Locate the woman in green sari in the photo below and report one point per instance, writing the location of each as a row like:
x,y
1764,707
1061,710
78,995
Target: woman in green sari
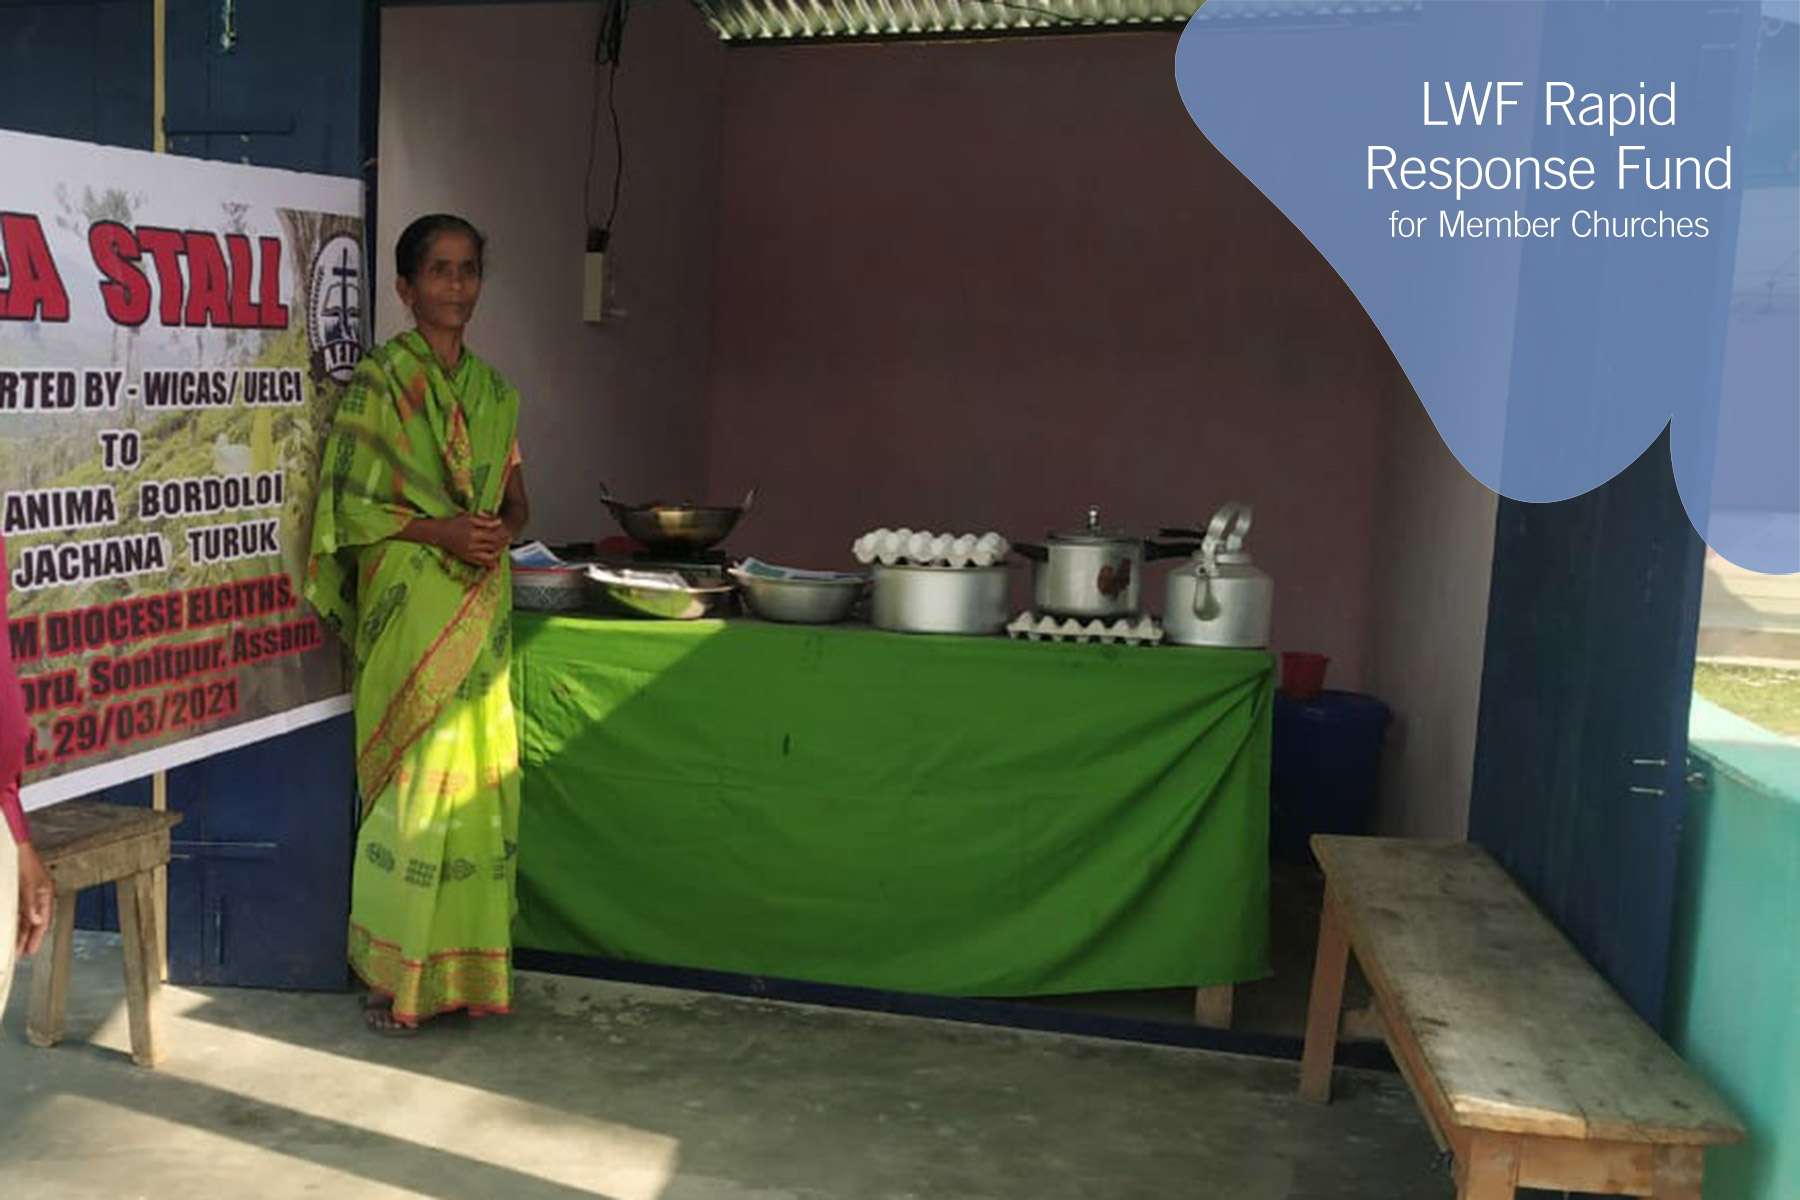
x,y
420,492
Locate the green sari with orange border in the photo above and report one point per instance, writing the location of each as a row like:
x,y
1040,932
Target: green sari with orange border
x,y
432,893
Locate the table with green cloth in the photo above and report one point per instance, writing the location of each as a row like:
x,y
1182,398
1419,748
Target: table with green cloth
x,y
959,816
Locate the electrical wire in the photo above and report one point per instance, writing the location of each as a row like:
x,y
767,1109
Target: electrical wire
x,y
608,44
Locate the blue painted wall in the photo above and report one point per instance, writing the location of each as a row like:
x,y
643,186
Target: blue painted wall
x,y
77,70
259,889
1734,986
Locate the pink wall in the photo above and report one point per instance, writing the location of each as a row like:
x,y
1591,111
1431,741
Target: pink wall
x,y
985,285
1434,557
624,401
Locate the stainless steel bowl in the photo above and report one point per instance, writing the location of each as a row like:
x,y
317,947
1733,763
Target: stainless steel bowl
x,y
688,603
800,601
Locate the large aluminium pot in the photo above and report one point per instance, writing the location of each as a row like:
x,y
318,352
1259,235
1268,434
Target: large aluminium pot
x,y
927,599
1091,572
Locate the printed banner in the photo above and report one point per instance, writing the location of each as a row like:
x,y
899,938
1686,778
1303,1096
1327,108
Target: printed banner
x,y
174,335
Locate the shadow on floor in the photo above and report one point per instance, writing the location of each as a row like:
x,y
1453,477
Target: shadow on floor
x,y
616,1092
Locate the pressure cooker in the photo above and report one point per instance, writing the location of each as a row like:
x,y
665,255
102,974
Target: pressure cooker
x,y
1092,571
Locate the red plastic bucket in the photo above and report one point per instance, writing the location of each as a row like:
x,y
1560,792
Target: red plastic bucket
x,y
1302,674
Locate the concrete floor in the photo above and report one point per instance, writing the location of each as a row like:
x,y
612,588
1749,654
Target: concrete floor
x,y
599,1091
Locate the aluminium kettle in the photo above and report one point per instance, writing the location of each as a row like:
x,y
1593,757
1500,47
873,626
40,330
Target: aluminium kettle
x,y
1219,597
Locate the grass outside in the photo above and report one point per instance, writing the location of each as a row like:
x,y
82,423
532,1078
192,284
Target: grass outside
x,y
1767,696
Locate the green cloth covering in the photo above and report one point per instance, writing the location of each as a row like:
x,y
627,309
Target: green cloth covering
x,y
949,815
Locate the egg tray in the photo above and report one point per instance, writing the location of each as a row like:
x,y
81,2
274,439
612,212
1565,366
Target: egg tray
x,y
1036,627
892,547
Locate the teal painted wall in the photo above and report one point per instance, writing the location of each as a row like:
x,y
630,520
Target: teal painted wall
x,y
1734,989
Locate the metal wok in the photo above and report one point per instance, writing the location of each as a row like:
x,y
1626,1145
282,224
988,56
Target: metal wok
x,y
675,528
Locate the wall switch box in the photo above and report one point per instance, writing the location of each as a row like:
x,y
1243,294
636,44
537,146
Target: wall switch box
x,y
593,287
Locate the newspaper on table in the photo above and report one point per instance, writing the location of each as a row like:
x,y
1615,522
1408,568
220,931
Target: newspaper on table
x,y
755,568
535,555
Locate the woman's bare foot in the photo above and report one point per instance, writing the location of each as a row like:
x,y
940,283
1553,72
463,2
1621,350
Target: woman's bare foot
x,y
378,1014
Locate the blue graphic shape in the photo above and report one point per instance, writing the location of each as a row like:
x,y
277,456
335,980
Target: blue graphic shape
x,y
1553,353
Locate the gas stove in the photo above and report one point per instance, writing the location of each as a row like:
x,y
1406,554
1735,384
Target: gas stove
x,y
661,560
701,568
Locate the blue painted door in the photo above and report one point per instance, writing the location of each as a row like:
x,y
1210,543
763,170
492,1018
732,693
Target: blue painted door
x,y
1594,604
260,884
259,887
81,71
1579,761
78,70
264,870
276,85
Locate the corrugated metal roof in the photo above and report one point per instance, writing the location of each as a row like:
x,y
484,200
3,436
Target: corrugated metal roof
x,y
802,20
750,20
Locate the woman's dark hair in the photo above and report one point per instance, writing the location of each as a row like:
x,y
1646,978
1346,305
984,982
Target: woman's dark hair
x,y
415,243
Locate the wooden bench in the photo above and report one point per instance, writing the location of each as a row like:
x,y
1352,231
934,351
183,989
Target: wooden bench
x,y
1530,1069
84,843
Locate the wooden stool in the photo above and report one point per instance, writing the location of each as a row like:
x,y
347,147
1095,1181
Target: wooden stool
x,y
84,843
